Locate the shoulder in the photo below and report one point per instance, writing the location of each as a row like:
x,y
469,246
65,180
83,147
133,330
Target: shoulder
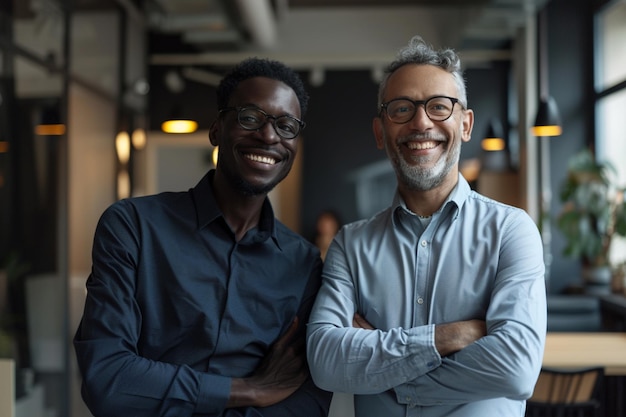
x,y
292,241
366,230
485,205
147,206
487,212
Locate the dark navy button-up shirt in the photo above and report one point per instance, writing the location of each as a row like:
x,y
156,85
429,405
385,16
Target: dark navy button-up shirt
x,y
176,307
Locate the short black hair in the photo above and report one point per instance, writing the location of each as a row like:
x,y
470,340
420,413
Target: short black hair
x,y
260,67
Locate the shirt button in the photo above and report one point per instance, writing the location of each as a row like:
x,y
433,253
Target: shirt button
x,y
424,243
420,300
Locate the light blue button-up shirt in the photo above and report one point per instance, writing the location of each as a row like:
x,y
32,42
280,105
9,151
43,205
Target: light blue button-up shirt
x,y
475,259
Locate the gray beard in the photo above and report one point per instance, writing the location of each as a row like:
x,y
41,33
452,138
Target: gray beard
x,y
422,179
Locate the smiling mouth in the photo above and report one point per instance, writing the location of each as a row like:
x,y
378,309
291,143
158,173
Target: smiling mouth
x,y
422,145
260,158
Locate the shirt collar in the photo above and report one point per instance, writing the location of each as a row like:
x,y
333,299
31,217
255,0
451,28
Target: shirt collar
x,y
208,211
457,197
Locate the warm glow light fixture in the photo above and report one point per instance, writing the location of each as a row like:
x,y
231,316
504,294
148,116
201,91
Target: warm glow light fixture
x,y
122,147
214,155
179,126
548,121
123,184
55,129
138,138
50,123
492,144
494,140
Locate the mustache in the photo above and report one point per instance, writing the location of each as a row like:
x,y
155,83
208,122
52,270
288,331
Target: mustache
x,y
422,137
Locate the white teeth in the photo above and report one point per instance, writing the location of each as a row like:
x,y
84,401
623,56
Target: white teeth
x,y
259,158
421,145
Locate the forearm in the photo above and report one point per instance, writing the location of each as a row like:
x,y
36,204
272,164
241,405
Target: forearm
x,y
499,365
362,361
184,392
505,363
117,383
452,337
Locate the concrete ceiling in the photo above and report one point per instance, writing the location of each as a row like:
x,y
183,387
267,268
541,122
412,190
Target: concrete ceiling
x,y
203,37
328,34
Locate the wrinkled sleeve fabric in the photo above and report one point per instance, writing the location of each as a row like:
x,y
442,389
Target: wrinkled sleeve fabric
x,y
479,260
505,363
118,379
359,361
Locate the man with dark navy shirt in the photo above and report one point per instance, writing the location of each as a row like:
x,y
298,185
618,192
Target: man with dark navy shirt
x,y
197,301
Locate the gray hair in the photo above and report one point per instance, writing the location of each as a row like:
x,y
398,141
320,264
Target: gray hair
x,y
419,52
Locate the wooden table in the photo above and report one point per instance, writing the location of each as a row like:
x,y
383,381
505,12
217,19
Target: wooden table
x,y
579,350
576,350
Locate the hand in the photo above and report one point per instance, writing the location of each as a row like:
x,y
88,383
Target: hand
x,y
280,374
452,337
360,323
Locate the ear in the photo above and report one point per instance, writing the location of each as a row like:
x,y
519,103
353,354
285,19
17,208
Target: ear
x,y
214,132
377,127
467,125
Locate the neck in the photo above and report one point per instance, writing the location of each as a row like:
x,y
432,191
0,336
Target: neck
x,y
241,212
425,203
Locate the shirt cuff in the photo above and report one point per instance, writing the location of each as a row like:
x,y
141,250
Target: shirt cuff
x,y
423,338
213,395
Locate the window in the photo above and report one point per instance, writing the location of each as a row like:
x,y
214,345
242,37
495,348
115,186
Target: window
x,y
610,61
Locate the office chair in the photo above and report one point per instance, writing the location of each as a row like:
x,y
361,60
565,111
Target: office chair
x,y
567,393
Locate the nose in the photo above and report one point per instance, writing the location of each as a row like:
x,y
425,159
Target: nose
x,y
420,120
268,131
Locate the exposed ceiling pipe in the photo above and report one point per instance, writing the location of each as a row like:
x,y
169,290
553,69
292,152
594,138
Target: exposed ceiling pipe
x,y
258,18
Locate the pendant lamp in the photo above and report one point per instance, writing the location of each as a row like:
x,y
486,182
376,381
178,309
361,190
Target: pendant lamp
x,y
548,121
179,121
494,140
50,122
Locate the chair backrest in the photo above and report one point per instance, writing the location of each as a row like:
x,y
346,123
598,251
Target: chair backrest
x,y
567,391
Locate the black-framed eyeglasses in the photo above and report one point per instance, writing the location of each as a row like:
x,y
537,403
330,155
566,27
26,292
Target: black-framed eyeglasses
x,y
402,110
252,118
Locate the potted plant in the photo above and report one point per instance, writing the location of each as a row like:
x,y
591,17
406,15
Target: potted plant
x,y
594,212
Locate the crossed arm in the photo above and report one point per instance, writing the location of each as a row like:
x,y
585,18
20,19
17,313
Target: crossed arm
x,y
280,374
443,362
132,364
449,337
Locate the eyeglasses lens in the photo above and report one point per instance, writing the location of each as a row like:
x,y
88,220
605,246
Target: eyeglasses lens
x,y
402,110
252,119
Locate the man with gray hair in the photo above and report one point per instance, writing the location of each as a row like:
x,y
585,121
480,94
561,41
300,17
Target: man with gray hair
x,y
436,305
